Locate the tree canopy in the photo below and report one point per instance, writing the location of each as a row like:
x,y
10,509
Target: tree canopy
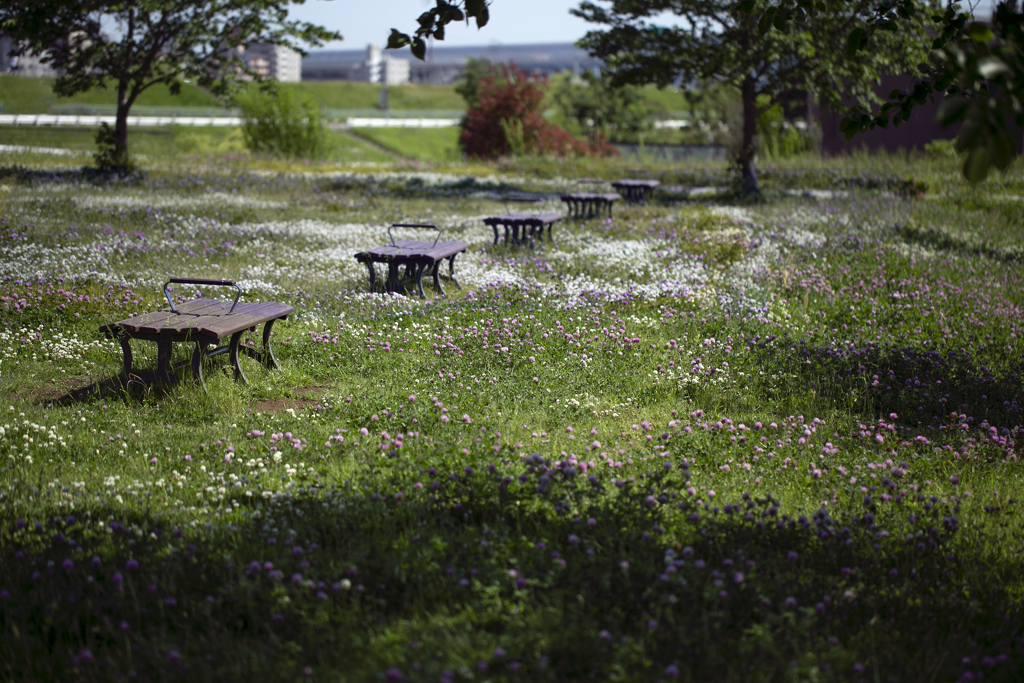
x,y
133,45
600,109
980,69
723,41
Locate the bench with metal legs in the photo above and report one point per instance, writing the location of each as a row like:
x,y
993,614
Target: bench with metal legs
x,y
203,323
409,260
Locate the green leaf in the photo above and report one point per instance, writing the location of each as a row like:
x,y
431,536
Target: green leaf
x,y
990,67
781,21
746,6
426,21
483,17
977,164
980,33
398,39
1002,151
419,48
858,37
953,110
968,137
764,24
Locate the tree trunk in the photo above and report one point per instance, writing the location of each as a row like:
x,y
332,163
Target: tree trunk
x,y
747,157
124,106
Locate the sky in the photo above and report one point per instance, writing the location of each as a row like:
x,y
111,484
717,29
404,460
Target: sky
x,y
512,21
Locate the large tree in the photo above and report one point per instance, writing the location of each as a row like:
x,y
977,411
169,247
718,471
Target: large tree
x,y
979,66
132,45
723,41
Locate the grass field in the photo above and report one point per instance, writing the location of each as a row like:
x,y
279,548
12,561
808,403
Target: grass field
x,y
182,142
21,95
437,145
702,440
352,95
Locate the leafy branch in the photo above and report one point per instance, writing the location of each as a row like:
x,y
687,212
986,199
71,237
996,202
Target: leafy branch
x,y
432,24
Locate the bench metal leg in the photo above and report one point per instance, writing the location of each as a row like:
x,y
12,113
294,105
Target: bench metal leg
x,y
495,229
392,285
126,349
373,274
198,353
163,362
419,268
437,279
267,355
451,270
233,355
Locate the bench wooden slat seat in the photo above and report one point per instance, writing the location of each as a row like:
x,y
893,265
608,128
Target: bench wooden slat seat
x,y
417,258
636,191
589,204
523,226
204,323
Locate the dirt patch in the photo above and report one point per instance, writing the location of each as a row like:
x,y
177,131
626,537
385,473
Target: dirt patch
x,y
305,396
62,391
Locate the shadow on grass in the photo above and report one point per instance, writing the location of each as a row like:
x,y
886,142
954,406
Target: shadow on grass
x,y
540,576
112,388
944,241
917,384
418,187
85,174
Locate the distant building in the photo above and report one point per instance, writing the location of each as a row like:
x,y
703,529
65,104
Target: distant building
x,y
278,62
444,64
383,68
22,65
6,61
372,65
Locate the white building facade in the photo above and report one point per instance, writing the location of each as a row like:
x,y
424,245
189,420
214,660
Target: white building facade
x,y
278,62
23,65
372,66
442,64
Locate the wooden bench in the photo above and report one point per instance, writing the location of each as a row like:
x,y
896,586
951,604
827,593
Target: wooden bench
x,y
204,322
636,191
589,204
416,257
522,227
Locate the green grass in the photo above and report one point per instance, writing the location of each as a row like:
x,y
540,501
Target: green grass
x,y
353,95
699,441
21,95
170,142
35,96
437,145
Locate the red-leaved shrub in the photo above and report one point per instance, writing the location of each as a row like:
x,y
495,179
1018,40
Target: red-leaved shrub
x,y
512,100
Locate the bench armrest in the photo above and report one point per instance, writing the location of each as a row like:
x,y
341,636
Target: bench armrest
x,y
201,281
421,226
